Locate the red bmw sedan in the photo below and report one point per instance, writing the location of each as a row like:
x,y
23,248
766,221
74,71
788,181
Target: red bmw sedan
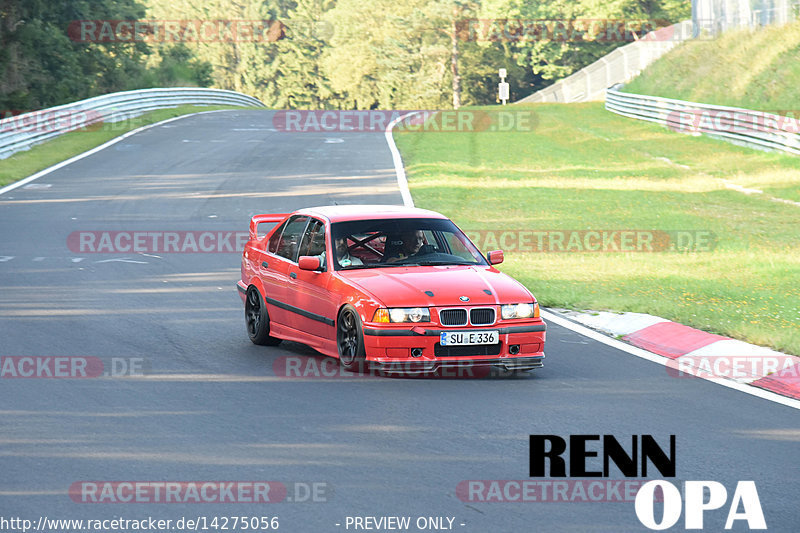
x,y
397,289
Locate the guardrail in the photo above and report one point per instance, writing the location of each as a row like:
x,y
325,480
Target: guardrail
x,y
620,65
756,129
717,16
20,132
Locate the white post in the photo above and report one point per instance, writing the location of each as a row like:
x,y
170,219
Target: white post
x,y
502,89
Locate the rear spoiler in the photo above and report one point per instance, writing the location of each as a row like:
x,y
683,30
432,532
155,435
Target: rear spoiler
x,y
260,219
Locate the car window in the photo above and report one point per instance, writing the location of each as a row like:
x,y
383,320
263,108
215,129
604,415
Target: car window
x,y
397,242
290,237
361,248
276,237
458,246
313,242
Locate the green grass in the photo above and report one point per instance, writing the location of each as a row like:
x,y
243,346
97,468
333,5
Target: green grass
x,y
23,164
584,168
754,70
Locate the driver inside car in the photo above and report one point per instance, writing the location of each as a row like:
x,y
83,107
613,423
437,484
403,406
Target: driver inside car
x,y
343,254
411,243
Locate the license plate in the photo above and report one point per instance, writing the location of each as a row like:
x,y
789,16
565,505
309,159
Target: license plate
x,y
467,338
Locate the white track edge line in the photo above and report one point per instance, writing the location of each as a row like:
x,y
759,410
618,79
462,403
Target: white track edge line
x,y
96,149
402,181
644,354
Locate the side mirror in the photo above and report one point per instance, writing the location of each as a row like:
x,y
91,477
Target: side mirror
x,y
309,262
495,257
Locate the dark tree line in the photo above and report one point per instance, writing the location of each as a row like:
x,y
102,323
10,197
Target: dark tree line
x,y
42,66
320,53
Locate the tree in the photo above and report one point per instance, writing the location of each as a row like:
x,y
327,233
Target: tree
x,y
241,60
300,80
42,66
45,62
551,56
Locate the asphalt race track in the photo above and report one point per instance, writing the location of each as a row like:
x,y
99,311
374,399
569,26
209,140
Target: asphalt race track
x,y
212,406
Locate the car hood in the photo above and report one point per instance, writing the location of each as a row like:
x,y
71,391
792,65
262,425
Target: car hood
x,y
407,286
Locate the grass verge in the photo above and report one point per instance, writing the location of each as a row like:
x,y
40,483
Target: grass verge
x,y
47,154
750,69
583,168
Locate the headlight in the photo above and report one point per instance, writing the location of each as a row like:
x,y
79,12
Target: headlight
x,y
402,314
519,311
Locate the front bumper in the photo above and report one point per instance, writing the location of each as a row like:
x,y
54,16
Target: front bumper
x,y
461,367
416,350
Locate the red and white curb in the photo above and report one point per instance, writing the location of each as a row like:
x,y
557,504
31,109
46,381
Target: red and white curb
x,y
673,345
690,352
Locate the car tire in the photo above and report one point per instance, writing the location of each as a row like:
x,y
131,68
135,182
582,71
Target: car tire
x,y
256,319
350,340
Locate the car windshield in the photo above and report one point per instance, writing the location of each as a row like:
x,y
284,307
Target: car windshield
x,y
388,243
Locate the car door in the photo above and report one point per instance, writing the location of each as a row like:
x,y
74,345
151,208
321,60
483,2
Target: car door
x,y
316,307
281,256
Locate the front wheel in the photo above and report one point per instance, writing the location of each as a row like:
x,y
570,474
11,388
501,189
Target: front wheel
x,y
257,319
350,339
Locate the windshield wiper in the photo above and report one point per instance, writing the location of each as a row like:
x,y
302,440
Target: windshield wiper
x,y
435,263
399,264
374,265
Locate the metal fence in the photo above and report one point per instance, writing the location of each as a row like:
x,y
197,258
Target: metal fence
x,y
756,129
716,16
709,19
619,66
20,132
